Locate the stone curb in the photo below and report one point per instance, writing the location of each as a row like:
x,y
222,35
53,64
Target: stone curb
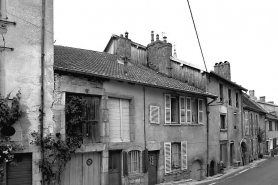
x,y
231,174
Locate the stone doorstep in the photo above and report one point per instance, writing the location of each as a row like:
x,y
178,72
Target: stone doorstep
x,y
176,182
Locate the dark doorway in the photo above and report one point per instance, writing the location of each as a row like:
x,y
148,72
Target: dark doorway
x,y
244,153
114,167
153,160
232,154
211,168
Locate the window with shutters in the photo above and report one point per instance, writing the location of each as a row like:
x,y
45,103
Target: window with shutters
x,y
276,126
133,162
91,112
154,114
175,155
181,110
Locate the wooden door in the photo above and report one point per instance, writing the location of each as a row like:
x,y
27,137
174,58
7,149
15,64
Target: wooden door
x,y
196,171
153,160
82,169
114,167
20,173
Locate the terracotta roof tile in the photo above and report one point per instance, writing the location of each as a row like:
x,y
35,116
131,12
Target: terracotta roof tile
x,y
106,65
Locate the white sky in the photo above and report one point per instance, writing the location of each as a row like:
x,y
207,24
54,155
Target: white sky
x,y
243,32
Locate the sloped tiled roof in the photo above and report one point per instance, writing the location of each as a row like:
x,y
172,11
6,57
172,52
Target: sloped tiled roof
x,y
106,65
227,80
251,104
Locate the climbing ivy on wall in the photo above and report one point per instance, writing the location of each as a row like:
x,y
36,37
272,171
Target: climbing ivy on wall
x,y
57,151
9,114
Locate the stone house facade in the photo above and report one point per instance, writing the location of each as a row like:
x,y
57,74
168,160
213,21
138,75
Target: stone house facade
x,y
152,128
271,121
26,66
253,125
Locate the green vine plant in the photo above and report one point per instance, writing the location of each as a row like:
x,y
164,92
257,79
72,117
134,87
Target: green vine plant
x,y
57,151
9,114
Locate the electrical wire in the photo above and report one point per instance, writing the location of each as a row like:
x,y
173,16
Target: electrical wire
x,y
26,21
197,35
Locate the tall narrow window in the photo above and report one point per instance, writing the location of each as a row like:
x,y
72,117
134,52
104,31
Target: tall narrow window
x,y
230,96
188,110
134,161
237,104
200,111
270,126
222,121
251,125
176,155
174,110
221,92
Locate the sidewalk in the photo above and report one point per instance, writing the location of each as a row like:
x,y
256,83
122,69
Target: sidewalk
x,y
228,173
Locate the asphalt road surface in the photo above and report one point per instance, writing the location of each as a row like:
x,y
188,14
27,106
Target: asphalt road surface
x,y
264,174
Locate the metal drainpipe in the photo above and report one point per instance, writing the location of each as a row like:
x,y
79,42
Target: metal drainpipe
x,y
207,108
145,139
42,80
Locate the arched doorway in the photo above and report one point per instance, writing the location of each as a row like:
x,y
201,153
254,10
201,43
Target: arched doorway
x,y
211,168
196,170
244,152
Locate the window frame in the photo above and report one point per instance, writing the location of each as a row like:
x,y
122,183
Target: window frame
x,y
237,103
168,156
230,97
136,154
224,123
221,94
270,126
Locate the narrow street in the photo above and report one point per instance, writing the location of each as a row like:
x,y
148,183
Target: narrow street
x,y
264,174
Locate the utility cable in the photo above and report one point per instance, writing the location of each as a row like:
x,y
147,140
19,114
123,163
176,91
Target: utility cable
x,y
26,21
197,36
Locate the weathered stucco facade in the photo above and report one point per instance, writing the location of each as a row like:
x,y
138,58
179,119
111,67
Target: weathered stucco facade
x,y
20,68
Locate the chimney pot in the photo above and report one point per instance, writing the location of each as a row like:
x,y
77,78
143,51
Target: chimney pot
x,y
157,37
152,36
121,35
216,64
165,39
126,35
262,98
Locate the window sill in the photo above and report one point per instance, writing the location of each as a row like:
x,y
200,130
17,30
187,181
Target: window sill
x,y
176,171
135,174
223,130
195,124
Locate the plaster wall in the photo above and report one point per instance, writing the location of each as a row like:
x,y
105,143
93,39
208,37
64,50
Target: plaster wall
x,y
233,119
20,69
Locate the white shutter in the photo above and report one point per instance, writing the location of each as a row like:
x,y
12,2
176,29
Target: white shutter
x,y
154,114
114,120
200,111
167,109
125,121
188,110
184,155
167,157
182,109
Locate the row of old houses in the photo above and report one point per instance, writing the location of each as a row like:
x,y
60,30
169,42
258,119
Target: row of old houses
x,y
150,117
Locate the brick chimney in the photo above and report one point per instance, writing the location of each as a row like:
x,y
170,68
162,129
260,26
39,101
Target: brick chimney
x,y
223,69
252,94
262,98
158,56
123,46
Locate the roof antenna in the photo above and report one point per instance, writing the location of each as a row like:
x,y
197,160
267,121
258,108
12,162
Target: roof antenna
x,y
175,53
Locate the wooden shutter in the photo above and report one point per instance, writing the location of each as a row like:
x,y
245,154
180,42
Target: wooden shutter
x,y
167,109
125,164
154,114
182,109
167,157
200,111
145,161
184,155
188,110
